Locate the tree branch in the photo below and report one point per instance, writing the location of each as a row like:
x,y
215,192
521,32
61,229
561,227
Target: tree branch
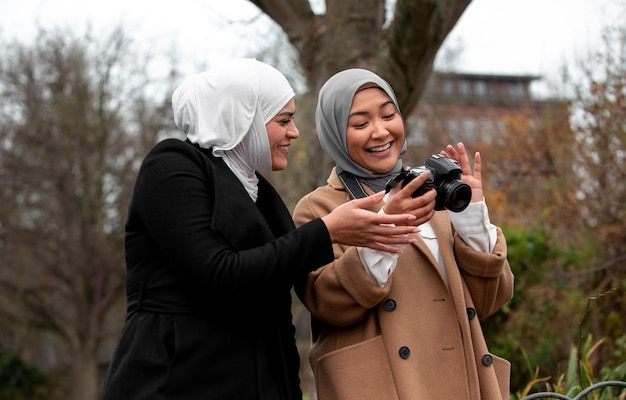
x,y
293,16
411,42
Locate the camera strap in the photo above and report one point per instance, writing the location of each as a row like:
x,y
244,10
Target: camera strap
x,y
352,185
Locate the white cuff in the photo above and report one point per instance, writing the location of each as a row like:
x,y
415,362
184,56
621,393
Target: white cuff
x,y
379,265
474,226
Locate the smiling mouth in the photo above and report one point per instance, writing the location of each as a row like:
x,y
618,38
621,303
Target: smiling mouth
x,y
380,148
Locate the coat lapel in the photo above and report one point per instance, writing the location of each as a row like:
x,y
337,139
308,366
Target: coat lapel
x,y
443,229
234,213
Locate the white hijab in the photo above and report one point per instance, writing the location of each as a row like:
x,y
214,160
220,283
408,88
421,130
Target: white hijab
x,y
226,109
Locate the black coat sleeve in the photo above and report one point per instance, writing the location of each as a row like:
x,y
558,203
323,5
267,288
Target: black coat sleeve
x,y
174,200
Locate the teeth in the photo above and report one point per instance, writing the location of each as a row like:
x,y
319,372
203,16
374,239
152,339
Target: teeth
x,y
380,148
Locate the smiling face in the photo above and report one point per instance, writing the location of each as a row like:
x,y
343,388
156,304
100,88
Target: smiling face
x,y
375,132
281,130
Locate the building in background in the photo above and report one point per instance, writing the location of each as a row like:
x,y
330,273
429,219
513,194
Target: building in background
x,y
473,108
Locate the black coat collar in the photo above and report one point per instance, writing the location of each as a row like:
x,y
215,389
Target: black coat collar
x,y
241,220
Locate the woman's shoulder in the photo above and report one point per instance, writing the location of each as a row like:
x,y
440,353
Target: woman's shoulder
x,y
172,145
318,203
172,148
177,155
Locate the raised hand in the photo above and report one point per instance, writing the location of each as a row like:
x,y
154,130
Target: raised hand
x,y
472,178
352,224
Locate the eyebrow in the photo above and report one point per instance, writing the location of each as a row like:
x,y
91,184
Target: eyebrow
x,y
365,112
289,113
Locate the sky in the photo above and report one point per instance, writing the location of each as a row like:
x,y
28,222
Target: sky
x,y
530,36
526,37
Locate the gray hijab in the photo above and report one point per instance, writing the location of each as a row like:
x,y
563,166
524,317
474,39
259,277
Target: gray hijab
x,y
331,120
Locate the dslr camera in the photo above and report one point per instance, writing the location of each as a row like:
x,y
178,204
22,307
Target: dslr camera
x,y
452,193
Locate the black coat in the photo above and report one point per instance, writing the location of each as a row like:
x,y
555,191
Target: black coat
x,y
208,281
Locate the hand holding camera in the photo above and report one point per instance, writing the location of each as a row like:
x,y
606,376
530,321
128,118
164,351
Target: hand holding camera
x,y
451,176
452,193
400,200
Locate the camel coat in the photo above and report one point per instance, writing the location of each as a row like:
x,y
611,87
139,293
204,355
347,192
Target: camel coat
x,y
418,337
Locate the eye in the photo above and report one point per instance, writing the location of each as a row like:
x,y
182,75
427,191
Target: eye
x,y
388,111
358,121
287,120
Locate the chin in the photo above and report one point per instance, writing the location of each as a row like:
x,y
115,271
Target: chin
x,y
279,167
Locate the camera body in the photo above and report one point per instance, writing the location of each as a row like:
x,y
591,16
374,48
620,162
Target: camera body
x,y
452,193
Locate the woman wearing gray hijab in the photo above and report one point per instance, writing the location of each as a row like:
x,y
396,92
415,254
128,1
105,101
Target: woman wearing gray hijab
x,y
212,252
400,325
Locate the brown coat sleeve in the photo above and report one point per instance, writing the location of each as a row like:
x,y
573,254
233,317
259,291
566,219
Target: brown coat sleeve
x,y
347,291
488,277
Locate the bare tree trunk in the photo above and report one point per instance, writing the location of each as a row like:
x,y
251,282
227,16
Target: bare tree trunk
x,y
85,383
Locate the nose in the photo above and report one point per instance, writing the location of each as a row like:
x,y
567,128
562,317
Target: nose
x,y
379,129
292,131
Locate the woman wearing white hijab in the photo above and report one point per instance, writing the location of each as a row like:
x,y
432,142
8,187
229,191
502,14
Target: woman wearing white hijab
x,y
400,326
212,252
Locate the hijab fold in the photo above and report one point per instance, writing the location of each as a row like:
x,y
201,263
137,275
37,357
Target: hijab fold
x,y
331,120
226,108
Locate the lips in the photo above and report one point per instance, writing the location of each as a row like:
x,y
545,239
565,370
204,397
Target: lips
x,y
380,148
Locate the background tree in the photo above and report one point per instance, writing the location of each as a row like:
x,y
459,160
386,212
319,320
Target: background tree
x,y
76,118
599,123
559,186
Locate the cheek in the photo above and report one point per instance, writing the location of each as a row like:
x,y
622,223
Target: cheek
x,y
353,143
398,129
273,135
399,134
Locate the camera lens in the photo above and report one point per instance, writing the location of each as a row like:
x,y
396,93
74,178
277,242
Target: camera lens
x,y
457,195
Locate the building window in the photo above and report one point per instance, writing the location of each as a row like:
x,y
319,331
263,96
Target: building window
x,y
453,128
469,129
486,129
415,130
480,88
431,85
448,86
465,88
517,90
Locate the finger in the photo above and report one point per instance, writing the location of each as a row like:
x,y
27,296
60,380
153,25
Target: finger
x,y
452,151
395,189
462,153
390,247
463,159
428,196
477,166
384,247
368,201
395,219
393,240
417,181
419,221
461,148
